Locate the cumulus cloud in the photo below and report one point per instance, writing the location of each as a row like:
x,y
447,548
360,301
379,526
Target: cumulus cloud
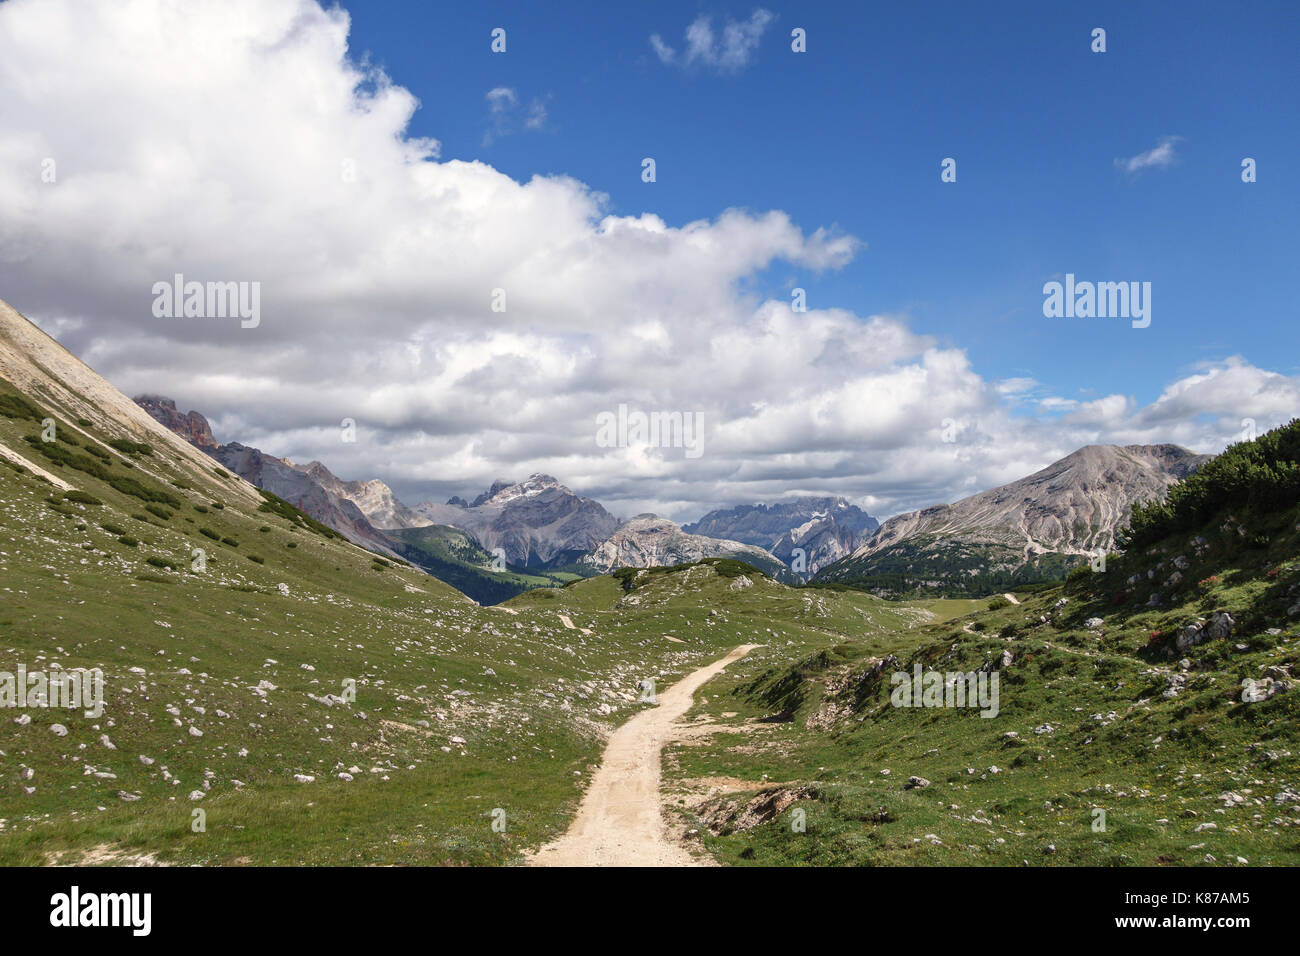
x,y
1161,156
729,52
380,263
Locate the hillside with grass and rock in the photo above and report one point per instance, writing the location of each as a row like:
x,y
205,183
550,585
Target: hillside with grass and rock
x,y
1148,712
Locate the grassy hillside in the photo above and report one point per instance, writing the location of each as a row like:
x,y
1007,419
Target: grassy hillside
x,y
1121,692
223,679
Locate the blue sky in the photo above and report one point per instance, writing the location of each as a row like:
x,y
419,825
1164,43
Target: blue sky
x,y
851,135
212,139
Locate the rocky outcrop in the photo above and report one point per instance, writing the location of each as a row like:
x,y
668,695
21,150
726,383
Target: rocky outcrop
x,y
300,488
374,498
312,489
649,541
191,426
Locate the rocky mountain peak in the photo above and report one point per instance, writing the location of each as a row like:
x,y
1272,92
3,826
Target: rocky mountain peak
x,y
503,491
191,426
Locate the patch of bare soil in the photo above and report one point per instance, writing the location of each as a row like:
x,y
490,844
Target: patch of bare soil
x,y
103,854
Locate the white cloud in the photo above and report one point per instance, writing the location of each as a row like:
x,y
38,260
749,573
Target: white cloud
x,y
536,117
376,290
504,114
1159,157
501,99
729,53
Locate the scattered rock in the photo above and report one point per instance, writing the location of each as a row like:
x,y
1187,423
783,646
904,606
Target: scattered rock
x,y
1254,691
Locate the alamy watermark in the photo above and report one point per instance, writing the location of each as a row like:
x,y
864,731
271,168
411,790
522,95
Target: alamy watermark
x,y
57,688
179,299
1101,300
932,688
625,429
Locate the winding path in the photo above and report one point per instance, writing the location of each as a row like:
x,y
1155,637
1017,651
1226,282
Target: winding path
x,y
620,821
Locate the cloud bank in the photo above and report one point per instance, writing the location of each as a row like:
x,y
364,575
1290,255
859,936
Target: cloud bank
x,y
383,269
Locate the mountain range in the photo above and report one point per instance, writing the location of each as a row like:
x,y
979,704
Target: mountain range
x,y
825,529
1030,530
541,531
1026,531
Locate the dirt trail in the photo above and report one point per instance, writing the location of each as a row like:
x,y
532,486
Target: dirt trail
x,y
620,822
1011,597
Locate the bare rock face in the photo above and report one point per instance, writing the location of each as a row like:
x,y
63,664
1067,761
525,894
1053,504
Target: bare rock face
x,y
312,489
825,529
649,541
297,486
536,522
373,498
1072,507
191,426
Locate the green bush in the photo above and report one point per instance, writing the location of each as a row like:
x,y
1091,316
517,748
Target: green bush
x,y
129,541
128,447
81,498
1261,475
158,511
15,406
278,506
